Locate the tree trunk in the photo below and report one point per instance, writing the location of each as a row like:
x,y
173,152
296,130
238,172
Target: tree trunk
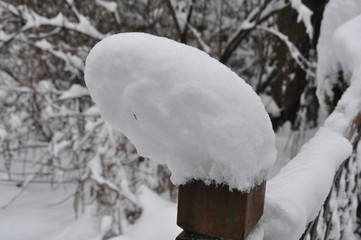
x,y
290,82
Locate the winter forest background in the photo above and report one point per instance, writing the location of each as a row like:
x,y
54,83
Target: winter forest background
x,y
59,161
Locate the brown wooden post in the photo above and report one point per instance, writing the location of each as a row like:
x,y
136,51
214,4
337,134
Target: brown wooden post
x,y
212,212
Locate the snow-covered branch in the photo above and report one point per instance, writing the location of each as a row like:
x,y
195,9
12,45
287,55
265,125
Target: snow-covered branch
x,y
180,16
73,63
304,15
302,62
254,18
204,46
34,20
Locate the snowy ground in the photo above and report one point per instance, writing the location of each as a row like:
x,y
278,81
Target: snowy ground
x,y
34,216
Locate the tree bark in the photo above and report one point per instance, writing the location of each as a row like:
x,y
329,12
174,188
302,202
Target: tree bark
x,y
290,82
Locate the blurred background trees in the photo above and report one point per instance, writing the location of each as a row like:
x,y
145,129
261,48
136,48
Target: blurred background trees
x,y
49,129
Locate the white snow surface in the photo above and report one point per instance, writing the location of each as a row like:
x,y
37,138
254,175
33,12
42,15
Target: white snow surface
x,y
347,44
181,107
337,13
270,105
296,194
38,215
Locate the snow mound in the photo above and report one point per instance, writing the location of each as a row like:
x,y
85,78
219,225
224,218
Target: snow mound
x,y
337,13
181,107
346,42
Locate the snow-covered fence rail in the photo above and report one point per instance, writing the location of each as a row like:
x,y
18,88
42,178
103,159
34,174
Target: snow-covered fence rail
x,y
337,217
339,50
318,190
299,197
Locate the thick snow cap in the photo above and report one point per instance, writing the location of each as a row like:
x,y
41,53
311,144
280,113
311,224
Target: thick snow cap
x,y
183,108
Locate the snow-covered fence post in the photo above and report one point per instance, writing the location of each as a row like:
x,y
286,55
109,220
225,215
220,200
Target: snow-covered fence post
x,y
183,108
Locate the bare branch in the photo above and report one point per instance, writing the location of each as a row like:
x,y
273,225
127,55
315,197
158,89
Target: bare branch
x,y
302,62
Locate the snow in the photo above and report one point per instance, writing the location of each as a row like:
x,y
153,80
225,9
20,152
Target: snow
x,y
304,15
198,36
108,5
49,221
73,62
302,62
295,195
96,174
157,221
87,227
181,107
93,110
34,20
270,105
337,12
346,44
39,218
75,91
181,9
32,216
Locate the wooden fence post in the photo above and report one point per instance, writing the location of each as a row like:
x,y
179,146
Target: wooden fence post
x,y
213,212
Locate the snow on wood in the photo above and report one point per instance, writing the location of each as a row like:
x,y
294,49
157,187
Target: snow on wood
x,y
181,107
296,194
